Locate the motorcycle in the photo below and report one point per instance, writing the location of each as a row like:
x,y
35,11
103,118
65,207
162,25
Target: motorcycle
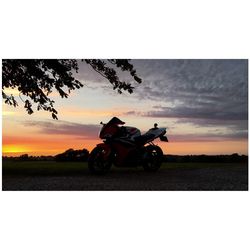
x,y
124,146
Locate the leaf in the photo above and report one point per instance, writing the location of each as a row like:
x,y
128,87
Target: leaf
x,y
54,116
36,78
139,80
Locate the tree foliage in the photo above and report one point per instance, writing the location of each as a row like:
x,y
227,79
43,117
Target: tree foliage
x,y
73,155
37,78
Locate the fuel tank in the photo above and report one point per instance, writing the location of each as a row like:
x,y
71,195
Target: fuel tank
x,y
131,132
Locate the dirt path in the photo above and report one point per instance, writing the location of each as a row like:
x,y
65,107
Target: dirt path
x,y
233,177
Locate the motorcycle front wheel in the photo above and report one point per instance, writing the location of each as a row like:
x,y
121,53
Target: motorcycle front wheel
x,y
97,163
152,158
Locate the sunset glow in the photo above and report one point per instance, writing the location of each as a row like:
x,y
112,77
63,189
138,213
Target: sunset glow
x,y
8,149
204,112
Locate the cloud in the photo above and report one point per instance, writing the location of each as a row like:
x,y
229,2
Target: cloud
x,y
209,89
209,137
131,113
212,113
86,131
201,92
205,93
92,79
216,85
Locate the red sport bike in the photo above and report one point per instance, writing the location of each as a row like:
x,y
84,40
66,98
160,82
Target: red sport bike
x,y
124,146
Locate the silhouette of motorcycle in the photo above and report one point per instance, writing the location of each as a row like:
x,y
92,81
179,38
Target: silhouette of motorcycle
x,y
124,146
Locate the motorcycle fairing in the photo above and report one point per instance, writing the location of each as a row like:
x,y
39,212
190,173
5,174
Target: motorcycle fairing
x,y
125,146
111,128
106,150
116,121
151,135
143,139
123,151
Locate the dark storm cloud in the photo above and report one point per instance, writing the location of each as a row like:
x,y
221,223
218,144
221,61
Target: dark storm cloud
x,y
89,131
208,84
214,113
240,125
209,137
202,92
196,89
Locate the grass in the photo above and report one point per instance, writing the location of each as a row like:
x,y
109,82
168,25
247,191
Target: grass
x,y
53,167
42,167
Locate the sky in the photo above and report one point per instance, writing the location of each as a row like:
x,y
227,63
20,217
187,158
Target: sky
x,y
202,103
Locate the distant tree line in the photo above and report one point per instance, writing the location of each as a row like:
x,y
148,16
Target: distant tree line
x,y
26,157
206,158
82,155
68,155
73,155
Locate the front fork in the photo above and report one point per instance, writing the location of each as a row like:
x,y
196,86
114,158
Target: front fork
x,y
106,150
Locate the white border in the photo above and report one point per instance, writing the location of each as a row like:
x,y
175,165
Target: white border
x,y
124,29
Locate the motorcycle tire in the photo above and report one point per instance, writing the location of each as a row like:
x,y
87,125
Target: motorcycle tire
x,y
152,159
96,162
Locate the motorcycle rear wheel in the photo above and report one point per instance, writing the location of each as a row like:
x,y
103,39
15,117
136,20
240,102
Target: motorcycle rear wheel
x,y
152,159
96,162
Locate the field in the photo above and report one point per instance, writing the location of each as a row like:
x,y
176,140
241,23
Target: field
x,y
50,175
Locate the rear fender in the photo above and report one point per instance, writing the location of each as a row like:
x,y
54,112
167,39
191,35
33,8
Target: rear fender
x,y
163,138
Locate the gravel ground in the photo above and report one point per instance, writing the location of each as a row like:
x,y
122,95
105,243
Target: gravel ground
x,y
208,177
